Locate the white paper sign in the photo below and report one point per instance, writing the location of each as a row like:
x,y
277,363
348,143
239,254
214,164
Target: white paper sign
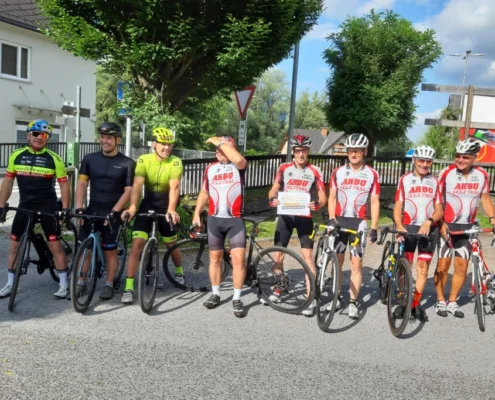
x,y
294,203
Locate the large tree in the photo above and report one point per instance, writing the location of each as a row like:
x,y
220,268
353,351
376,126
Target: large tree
x,y
377,63
181,50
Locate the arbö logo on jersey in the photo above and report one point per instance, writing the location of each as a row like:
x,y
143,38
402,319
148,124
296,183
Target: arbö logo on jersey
x,y
468,186
354,182
421,191
296,184
226,177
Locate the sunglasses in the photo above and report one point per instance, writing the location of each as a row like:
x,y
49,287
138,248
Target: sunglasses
x,y
41,135
464,157
428,162
357,151
296,151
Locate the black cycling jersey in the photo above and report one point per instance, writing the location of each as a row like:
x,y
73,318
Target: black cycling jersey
x,y
108,178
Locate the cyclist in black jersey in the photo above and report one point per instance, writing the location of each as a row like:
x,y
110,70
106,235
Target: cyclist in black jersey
x,y
36,168
110,175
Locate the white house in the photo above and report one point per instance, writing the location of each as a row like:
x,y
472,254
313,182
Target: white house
x,y
36,77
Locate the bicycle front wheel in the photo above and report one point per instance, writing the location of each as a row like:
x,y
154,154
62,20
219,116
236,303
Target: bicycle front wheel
x,y
383,275
84,275
284,280
18,267
195,262
327,289
122,256
148,275
69,239
478,294
400,294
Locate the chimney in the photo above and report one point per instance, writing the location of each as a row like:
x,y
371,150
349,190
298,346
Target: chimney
x,y
324,131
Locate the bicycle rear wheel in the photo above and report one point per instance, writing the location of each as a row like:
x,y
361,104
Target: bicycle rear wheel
x,y
195,263
478,295
122,256
400,293
148,275
296,284
327,289
382,273
19,262
69,246
86,273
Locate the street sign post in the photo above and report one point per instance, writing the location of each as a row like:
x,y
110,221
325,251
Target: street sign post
x,y
243,99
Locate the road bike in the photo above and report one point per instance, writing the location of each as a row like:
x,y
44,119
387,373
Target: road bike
x,y
395,278
328,271
297,291
482,278
45,260
89,263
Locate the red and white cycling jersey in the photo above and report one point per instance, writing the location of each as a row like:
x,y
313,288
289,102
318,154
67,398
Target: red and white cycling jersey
x,y
461,195
419,197
306,179
354,189
225,184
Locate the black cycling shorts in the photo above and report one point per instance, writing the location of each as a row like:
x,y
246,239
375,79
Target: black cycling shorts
x,y
232,229
109,239
425,247
458,245
142,225
50,225
286,225
346,238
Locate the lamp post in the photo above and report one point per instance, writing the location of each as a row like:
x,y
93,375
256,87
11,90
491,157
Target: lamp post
x,y
292,112
465,57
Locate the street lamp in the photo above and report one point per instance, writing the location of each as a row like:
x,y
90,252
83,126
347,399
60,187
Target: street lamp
x,y
465,57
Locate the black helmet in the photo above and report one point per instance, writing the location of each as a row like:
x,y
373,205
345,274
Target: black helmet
x,y
110,128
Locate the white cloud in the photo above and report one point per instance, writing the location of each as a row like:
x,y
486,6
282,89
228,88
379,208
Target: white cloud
x,y
419,128
321,31
465,25
340,9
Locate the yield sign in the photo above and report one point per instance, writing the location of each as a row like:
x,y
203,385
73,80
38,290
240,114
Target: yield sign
x,y
243,98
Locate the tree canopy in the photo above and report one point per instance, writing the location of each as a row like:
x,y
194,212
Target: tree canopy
x,y
181,51
377,63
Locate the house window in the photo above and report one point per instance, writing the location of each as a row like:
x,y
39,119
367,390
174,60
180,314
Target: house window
x,y
14,61
21,135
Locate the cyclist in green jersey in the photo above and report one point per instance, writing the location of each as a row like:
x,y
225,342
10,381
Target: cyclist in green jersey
x,y
160,174
36,168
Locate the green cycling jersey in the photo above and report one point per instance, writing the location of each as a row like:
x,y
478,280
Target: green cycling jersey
x,y
157,175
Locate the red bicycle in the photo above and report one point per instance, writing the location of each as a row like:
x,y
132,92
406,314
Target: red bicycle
x,y
482,277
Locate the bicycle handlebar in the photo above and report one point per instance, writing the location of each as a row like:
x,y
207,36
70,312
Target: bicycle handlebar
x,y
385,231
34,212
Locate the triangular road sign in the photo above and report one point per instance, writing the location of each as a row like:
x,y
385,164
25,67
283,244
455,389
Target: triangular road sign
x,y
243,98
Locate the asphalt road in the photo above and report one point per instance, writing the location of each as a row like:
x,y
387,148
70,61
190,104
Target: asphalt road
x,y
182,350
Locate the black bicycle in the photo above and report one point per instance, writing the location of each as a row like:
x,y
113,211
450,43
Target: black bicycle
x,y
395,279
274,267
45,260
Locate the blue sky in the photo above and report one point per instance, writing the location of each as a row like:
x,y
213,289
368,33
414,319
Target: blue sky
x,y
459,25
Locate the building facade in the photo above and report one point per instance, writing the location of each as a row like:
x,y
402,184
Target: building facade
x,y
37,77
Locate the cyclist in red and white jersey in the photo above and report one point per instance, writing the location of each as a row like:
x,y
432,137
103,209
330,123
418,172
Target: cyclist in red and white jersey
x,y
418,208
350,188
297,176
462,185
223,185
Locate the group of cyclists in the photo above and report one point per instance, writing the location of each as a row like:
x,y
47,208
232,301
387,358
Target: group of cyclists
x,y
423,204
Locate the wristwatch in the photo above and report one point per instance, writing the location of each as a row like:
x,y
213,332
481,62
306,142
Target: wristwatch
x,y
431,220
220,143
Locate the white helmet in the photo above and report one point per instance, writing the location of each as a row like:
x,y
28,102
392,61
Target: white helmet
x,y
468,146
357,141
424,152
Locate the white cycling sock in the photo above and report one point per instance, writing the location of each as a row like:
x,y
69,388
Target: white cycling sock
x,y
237,294
10,279
63,278
216,290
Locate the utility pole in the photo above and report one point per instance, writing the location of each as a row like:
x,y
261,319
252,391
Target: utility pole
x,y
293,101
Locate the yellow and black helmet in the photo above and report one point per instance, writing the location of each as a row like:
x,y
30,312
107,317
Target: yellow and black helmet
x,y
163,135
